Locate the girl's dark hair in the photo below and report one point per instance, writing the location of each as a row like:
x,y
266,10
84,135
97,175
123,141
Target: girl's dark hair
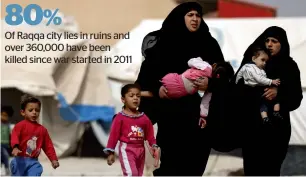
x,y
25,99
125,89
224,70
7,109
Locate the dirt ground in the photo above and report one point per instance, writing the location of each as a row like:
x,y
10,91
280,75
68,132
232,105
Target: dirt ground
x,y
73,166
98,167
221,165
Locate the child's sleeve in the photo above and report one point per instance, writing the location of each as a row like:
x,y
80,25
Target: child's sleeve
x,y
260,79
114,135
239,75
150,133
48,147
15,135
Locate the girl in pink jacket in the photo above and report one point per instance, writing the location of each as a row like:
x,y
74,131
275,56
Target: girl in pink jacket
x,y
131,128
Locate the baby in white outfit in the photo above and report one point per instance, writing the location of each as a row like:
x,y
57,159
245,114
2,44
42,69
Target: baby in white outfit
x,y
254,74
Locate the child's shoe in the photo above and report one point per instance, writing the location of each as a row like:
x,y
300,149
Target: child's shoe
x,y
276,114
266,121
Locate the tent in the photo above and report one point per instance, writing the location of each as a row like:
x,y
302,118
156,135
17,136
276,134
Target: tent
x,y
71,93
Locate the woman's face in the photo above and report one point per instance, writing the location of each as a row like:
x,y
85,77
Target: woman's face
x,y
273,45
193,21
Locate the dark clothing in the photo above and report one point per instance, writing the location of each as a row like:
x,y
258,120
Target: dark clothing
x,y
265,146
263,108
5,133
168,51
266,104
5,144
5,155
222,125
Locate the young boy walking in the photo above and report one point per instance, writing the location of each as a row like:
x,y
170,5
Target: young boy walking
x,y
28,138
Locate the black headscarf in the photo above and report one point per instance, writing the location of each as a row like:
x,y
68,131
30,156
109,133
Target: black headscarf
x,y
175,25
174,44
281,59
175,40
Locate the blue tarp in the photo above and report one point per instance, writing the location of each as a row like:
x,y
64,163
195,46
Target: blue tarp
x,y
85,113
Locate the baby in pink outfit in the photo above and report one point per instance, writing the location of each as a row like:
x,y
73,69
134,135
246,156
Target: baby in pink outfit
x,y
179,85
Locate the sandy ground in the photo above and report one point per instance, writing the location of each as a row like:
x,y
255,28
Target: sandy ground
x,y
99,167
73,166
217,165
222,165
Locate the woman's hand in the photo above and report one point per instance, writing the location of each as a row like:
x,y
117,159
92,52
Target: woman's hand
x,y
270,93
201,83
163,92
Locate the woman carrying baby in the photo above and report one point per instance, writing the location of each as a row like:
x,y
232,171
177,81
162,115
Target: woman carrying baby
x,y
265,145
184,35
179,85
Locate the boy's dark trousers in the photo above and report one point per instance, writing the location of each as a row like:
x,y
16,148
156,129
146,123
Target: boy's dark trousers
x,y
5,155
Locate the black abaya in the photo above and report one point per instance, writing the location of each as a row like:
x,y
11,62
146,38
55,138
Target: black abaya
x,y
184,146
265,146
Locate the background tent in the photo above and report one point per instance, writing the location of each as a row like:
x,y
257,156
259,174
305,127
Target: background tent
x,y
71,93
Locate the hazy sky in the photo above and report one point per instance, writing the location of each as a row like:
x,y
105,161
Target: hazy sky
x,y
285,8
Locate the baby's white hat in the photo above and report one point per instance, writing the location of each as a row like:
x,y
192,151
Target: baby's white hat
x,y
198,63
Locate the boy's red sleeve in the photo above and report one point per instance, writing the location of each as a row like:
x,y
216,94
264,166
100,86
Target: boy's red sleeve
x,y
48,147
15,135
114,135
150,133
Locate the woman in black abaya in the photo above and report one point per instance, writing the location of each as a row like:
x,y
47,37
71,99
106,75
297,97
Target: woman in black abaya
x,y
184,35
265,144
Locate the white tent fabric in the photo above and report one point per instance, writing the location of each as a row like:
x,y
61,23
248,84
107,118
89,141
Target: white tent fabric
x,y
234,36
81,84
